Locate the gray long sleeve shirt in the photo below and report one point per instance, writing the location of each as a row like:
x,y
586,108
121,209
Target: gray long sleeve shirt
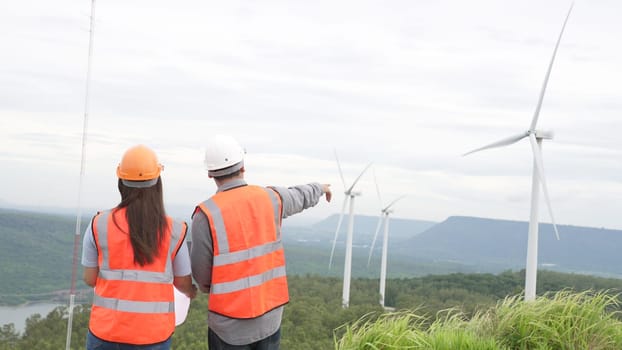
x,y
243,331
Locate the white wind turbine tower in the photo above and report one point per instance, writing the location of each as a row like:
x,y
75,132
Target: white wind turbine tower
x,y
538,179
347,270
384,216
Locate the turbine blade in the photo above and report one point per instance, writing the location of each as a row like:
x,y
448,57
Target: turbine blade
x,y
394,201
537,155
534,121
377,188
357,179
503,142
373,242
332,251
343,181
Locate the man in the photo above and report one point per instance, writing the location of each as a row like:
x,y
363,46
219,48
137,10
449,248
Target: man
x,y
237,255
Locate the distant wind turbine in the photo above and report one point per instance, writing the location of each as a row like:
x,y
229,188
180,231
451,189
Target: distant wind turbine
x,y
347,271
384,216
535,138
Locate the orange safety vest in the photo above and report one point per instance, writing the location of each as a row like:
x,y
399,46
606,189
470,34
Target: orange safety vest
x,y
133,304
248,272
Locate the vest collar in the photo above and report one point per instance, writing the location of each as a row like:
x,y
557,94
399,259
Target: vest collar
x,y
231,185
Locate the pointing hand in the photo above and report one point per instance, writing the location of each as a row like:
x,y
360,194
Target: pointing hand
x,y
327,192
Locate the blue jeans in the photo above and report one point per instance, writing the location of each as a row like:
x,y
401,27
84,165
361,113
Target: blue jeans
x,y
270,343
94,343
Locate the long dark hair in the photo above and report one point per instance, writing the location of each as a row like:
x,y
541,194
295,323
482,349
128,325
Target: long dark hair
x,y
146,219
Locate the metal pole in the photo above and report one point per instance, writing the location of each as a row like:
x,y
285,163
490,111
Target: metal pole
x,y
531,268
76,242
383,263
347,269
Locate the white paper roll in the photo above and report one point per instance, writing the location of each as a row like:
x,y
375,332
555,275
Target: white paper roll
x,y
182,303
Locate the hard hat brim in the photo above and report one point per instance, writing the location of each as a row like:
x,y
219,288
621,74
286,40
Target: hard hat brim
x,y
140,184
226,171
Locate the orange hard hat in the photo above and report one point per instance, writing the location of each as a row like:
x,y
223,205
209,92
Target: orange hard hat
x,y
139,163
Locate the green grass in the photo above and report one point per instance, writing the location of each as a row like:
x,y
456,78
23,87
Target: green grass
x,y
563,320
389,331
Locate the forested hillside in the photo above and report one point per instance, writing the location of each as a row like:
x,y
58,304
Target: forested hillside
x,y
314,315
35,255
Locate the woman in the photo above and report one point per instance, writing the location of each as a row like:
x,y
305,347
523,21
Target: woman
x,y
133,254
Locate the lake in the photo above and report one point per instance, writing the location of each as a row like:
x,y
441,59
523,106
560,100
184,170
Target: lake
x,y
18,314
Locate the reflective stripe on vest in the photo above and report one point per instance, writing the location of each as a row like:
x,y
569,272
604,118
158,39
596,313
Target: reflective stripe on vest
x,y
143,307
240,267
245,283
247,254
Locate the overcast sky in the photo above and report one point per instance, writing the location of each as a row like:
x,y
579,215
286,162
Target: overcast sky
x,y
409,85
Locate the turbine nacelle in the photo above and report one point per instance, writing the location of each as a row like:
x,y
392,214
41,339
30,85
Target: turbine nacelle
x,y
542,134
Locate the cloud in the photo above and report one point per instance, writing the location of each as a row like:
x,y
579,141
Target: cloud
x,y
408,85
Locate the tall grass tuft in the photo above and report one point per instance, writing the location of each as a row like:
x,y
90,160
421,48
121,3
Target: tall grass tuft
x,y
452,330
399,330
406,330
556,321
561,320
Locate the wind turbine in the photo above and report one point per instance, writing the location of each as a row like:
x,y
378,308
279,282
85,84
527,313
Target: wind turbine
x,y
347,270
384,216
535,138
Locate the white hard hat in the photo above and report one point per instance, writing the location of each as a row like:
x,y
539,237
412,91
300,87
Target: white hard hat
x,y
223,155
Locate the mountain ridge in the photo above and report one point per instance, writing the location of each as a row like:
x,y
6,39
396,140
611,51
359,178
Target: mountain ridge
x,y
504,242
